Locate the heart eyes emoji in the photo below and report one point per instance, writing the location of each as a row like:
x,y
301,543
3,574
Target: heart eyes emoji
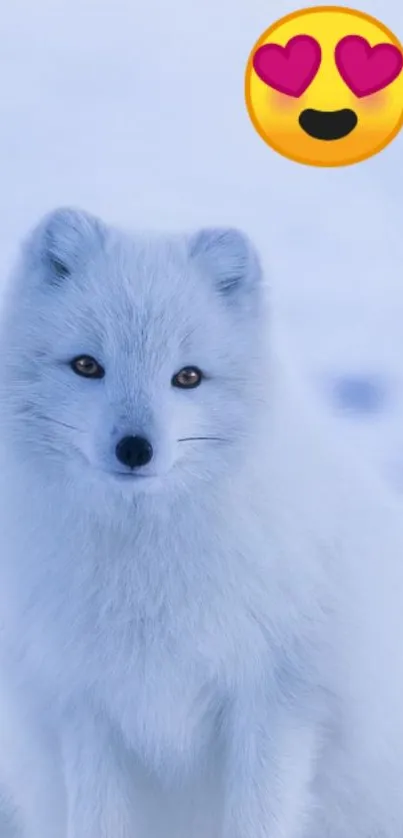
x,y
338,74
365,69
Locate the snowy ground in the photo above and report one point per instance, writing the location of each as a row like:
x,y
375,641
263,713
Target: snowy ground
x,y
135,111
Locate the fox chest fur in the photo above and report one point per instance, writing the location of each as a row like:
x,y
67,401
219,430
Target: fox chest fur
x,y
155,625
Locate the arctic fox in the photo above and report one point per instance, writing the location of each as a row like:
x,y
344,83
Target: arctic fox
x,y
200,612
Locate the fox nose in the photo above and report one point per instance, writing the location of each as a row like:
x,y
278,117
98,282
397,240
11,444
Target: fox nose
x,y
134,451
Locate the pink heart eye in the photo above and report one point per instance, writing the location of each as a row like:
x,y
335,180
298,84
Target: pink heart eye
x,y
366,69
289,69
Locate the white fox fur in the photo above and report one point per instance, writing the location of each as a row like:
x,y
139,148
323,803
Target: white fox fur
x,y
215,651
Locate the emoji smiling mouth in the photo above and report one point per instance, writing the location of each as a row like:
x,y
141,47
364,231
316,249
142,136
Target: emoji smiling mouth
x,y
328,125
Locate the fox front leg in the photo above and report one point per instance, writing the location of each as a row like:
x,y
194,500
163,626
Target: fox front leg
x,y
97,777
271,758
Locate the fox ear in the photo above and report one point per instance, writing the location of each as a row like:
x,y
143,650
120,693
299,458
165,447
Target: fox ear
x,y
61,242
229,258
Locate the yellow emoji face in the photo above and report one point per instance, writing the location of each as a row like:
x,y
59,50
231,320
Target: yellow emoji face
x,y
324,86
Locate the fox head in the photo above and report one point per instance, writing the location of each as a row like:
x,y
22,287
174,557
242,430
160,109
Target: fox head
x,y
130,360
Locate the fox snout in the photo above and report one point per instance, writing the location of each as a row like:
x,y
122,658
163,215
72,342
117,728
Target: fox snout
x,y
134,451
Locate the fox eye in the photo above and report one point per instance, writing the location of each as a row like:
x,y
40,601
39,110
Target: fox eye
x,y
87,367
187,378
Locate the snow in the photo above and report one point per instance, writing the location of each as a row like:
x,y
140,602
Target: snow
x,y
135,112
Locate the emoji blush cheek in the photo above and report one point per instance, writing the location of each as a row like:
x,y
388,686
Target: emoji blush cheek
x,y
282,103
373,104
